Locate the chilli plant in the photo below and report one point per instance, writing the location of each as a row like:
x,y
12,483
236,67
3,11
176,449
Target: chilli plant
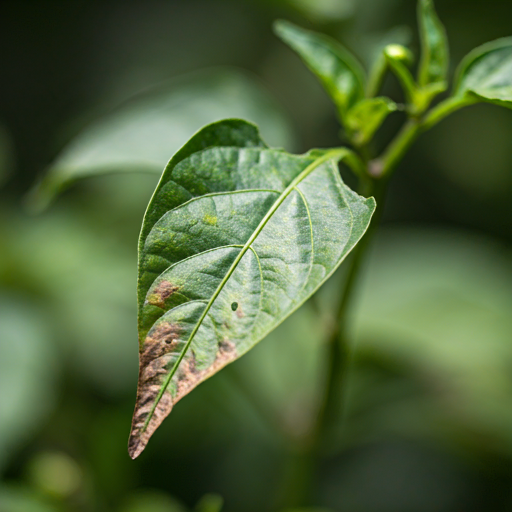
x,y
238,235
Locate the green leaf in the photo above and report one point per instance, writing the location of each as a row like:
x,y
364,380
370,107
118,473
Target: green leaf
x,y
485,74
236,237
141,133
338,70
434,60
364,118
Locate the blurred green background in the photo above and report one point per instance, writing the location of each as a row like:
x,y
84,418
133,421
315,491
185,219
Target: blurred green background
x,y
429,419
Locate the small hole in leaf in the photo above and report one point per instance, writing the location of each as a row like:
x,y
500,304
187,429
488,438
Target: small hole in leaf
x,y
234,306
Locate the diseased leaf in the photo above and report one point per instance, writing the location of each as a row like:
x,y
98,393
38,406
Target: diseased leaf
x,y
485,74
365,118
141,133
236,237
339,71
433,67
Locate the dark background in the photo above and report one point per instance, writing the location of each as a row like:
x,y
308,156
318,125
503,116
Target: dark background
x,y
429,422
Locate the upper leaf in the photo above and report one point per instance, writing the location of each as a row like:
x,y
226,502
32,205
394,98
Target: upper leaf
x,y
236,237
486,73
339,71
434,46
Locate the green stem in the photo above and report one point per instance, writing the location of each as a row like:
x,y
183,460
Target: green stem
x,y
376,76
397,149
446,108
332,406
386,164
302,467
374,182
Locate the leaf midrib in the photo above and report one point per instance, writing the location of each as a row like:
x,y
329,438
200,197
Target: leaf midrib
x,y
331,155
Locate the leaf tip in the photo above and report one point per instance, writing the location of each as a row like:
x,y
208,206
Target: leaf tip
x,y
135,447
150,411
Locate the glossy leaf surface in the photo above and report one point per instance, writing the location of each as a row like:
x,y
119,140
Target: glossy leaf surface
x,y
434,46
236,237
338,70
486,73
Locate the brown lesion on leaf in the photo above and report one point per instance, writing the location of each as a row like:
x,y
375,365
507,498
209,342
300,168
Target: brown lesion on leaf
x,y
156,353
161,293
239,312
189,377
154,359
158,342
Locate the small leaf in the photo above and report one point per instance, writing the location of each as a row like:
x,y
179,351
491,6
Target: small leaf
x,y
338,70
231,222
485,74
434,46
364,118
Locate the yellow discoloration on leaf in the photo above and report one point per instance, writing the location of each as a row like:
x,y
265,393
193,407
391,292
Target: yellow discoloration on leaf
x,y
210,219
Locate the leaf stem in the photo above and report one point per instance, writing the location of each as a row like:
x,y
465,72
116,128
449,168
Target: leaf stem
x,y
306,457
376,76
373,182
397,149
446,108
332,406
338,356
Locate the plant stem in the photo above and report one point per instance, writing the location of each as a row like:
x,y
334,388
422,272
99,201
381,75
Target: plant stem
x,y
376,76
331,408
302,467
397,148
338,356
300,474
306,457
445,108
